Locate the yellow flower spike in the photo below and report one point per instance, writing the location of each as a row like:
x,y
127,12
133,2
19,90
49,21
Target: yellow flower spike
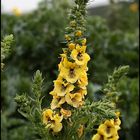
x,y
80,130
67,38
107,131
66,113
79,55
71,46
84,41
78,33
16,11
134,7
74,99
57,102
61,88
99,137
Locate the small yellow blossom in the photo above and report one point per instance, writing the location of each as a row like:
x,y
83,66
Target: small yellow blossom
x,y
47,116
61,87
67,38
118,114
80,130
134,7
117,121
70,71
109,123
78,33
52,120
57,102
65,113
107,131
74,99
83,81
84,41
71,46
79,55
57,125
16,11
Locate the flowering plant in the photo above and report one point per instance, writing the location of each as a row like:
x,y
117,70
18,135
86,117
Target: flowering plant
x,y
72,116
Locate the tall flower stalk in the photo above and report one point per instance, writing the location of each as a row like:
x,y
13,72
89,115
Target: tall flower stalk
x,y
70,87
70,116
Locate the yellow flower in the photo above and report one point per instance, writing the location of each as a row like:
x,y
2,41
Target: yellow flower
x,y
52,120
67,38
57,125
80,131
16,11
74,99
78,33
83,81
57,102
117,123
107,131
70,71
63,57
79,55
84,41
118,114
99,137
65,113
109,123
134,7
61,87
47,116
114,122
71,46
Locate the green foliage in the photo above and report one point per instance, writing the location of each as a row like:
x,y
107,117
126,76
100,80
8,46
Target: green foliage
x,y
90,115
5,48
31,106
110,89
128,103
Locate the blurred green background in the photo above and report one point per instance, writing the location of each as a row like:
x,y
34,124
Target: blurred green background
x,y
112,35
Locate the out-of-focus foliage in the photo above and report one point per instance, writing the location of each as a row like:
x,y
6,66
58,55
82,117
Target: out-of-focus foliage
x,y
5,48
112,42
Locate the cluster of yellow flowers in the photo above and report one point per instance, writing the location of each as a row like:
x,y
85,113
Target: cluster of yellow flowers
x,y
108,130
70,86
